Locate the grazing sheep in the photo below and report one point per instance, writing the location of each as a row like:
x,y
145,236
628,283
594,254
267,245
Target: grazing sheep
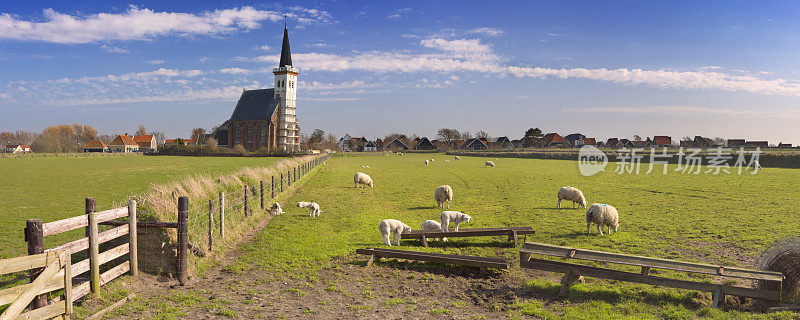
x,y
313,208
275,209
602,215
455,217
399,153
446,161
431,160
432,225
488,163
362,178
443,194
365,166
458,158
392,227
571,194
426,163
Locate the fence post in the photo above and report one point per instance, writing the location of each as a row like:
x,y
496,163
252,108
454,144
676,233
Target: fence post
x,y
94,252
261,194
294,172
288,178
210,225
34,235
272,188
281,182
222,215
133,238
245,201
183,239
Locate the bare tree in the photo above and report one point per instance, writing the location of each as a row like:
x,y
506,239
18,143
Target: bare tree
x,y
142,130
481,135
160,137
465,135
637,137
447,135
198,135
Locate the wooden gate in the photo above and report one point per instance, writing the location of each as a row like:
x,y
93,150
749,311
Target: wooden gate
x,y
53,272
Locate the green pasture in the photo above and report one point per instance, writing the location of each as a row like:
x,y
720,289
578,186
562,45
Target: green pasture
x,y
52,188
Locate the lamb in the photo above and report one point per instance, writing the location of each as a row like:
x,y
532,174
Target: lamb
x,y
488,163
426,163
392,227
571,194
313,208
443,194
455,217
432,225
363,179
275,209
458,158
602,215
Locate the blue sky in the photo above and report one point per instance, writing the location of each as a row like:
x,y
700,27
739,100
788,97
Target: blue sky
x,y
712,68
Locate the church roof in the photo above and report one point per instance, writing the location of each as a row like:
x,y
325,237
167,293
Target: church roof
x,y
257,104
286,55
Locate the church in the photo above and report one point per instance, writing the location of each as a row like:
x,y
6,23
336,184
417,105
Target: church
x,y
266,118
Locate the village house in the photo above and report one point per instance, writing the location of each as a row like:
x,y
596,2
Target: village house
x,y
474,144
662,141
503,143
612,143
784,145
370,147
589,141
95,146
123,144
147,143
424,144
554,140
733,143
396,144
756,144
17,148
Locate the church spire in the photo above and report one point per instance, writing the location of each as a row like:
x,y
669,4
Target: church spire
x,y
286,55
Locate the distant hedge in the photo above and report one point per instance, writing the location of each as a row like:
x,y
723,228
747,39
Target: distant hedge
x,y
176,150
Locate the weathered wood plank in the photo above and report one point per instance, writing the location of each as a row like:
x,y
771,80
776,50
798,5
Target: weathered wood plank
x,y
64,225
111,234
22,301
53,310
72,246
476,229
464,233
112,214
562,267
80,290
482,262
22,263
8,295
142,224
641,261
115,272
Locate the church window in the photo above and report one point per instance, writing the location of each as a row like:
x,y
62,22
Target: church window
x,y
263,132
238,133
249,133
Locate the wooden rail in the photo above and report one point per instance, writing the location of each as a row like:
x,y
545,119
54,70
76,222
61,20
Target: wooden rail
x,y
50,278
511,232
471,261
572,272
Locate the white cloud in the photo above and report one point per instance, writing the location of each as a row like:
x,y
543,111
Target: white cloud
x,y
236,71
398,14
687,111
487,31
142,24
112,49
667,79
319,44
203,59
155,61
263,48
450,56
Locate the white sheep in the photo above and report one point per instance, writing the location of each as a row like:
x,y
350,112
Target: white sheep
x,y
458,158
443,194
392,227
399,153
432,225
426,163
571,194
446,161
365,166
431,159
455,217
488,163
363,179
602,215
275,209
313,208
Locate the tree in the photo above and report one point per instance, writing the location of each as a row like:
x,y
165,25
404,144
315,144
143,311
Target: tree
x,y
446,135
533,138
637,137
719,141
481,135
198,135
212,143
160,137
316,137
687,138
465,135
180,142
142,130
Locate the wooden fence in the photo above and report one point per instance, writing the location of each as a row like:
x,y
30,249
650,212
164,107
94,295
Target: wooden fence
x,y
54,273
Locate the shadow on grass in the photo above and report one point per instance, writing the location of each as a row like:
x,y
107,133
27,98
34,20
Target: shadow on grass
x,y
554,208
422,208
571,235
431,267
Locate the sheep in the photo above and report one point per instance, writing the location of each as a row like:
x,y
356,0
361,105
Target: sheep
x,y
571,194
447,161
602,215
458,158
313,208
363,179
431,159
455,217
275,209
399,153
426,163
365,166
443,194
432,225
392,227
488,163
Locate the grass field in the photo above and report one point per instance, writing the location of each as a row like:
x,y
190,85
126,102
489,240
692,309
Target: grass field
x,y
52,188
728,219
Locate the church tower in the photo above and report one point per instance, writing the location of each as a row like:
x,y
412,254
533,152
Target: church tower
x,y
288,131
